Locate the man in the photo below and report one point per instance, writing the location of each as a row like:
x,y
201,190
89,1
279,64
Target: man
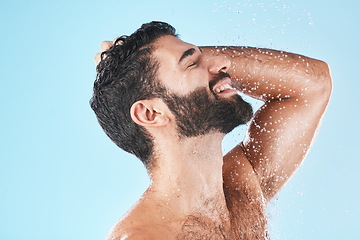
x,y
171,103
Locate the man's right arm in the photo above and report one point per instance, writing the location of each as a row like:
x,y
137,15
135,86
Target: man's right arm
x,y
295,90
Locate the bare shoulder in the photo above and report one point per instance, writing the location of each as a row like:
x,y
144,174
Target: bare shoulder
x,y
141,233
145,220
237,169
137,235
134,227
244,197
241,182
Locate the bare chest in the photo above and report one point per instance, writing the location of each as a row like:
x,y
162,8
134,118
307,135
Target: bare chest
x,y
247,220
197,228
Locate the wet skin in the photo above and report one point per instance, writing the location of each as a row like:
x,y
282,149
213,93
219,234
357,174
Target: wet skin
x,y
195,191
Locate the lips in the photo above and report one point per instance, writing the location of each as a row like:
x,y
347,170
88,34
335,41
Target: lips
x,y
221,83
222,86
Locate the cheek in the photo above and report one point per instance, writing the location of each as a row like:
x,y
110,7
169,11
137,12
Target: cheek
x,y
172,80
197,79
182,83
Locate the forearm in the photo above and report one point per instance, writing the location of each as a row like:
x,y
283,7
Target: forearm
x,y
296,91
269,74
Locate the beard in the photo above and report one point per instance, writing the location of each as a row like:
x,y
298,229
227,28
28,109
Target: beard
x,y
201,112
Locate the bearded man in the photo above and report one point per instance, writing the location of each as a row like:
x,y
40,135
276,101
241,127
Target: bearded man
x,y
171,103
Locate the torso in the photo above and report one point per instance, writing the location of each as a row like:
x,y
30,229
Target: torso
x,y
244,217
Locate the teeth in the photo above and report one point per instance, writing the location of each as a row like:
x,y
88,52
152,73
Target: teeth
x,y
222,88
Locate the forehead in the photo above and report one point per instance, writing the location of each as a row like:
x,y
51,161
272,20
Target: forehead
x,y
169,49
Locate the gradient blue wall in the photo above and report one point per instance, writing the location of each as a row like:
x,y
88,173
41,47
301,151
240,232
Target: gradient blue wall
x,y
62,178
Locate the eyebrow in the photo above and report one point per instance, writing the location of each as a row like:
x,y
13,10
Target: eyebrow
x,y
187,53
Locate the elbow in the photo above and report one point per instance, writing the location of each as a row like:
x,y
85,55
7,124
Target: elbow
x,y
325,81
320,79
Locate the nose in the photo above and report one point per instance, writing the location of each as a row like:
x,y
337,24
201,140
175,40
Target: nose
x,y
218,64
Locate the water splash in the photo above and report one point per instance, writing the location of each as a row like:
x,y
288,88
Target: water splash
x,y
264,23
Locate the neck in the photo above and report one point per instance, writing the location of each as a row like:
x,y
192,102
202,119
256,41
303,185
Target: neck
x,y
188,176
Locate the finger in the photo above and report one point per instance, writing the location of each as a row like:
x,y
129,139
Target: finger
x,y
97,58
105,45
120,42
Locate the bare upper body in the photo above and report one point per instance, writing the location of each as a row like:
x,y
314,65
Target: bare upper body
x,y
195,191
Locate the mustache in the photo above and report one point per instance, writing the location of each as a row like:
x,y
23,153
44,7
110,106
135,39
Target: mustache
x,y
218,78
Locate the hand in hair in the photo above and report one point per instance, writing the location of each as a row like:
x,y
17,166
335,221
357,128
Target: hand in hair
x,y
105,45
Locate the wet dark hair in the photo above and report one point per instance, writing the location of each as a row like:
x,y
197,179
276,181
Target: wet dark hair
x,y
127,73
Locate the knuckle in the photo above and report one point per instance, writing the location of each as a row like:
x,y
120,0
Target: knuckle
x,y
105,45
97,58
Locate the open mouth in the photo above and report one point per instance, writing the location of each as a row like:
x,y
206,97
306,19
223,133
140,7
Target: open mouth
x,y
223,86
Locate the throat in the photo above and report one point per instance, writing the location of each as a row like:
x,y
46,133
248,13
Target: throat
x,y
193,165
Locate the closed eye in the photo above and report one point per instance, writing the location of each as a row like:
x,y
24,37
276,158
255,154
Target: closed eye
x,y
191,65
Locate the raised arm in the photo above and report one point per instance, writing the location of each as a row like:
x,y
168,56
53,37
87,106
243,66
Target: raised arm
x,y
295,90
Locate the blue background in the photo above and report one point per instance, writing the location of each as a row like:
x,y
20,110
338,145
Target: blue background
x,y
62,178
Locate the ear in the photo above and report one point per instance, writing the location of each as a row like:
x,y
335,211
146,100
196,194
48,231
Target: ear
x,y
149,113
